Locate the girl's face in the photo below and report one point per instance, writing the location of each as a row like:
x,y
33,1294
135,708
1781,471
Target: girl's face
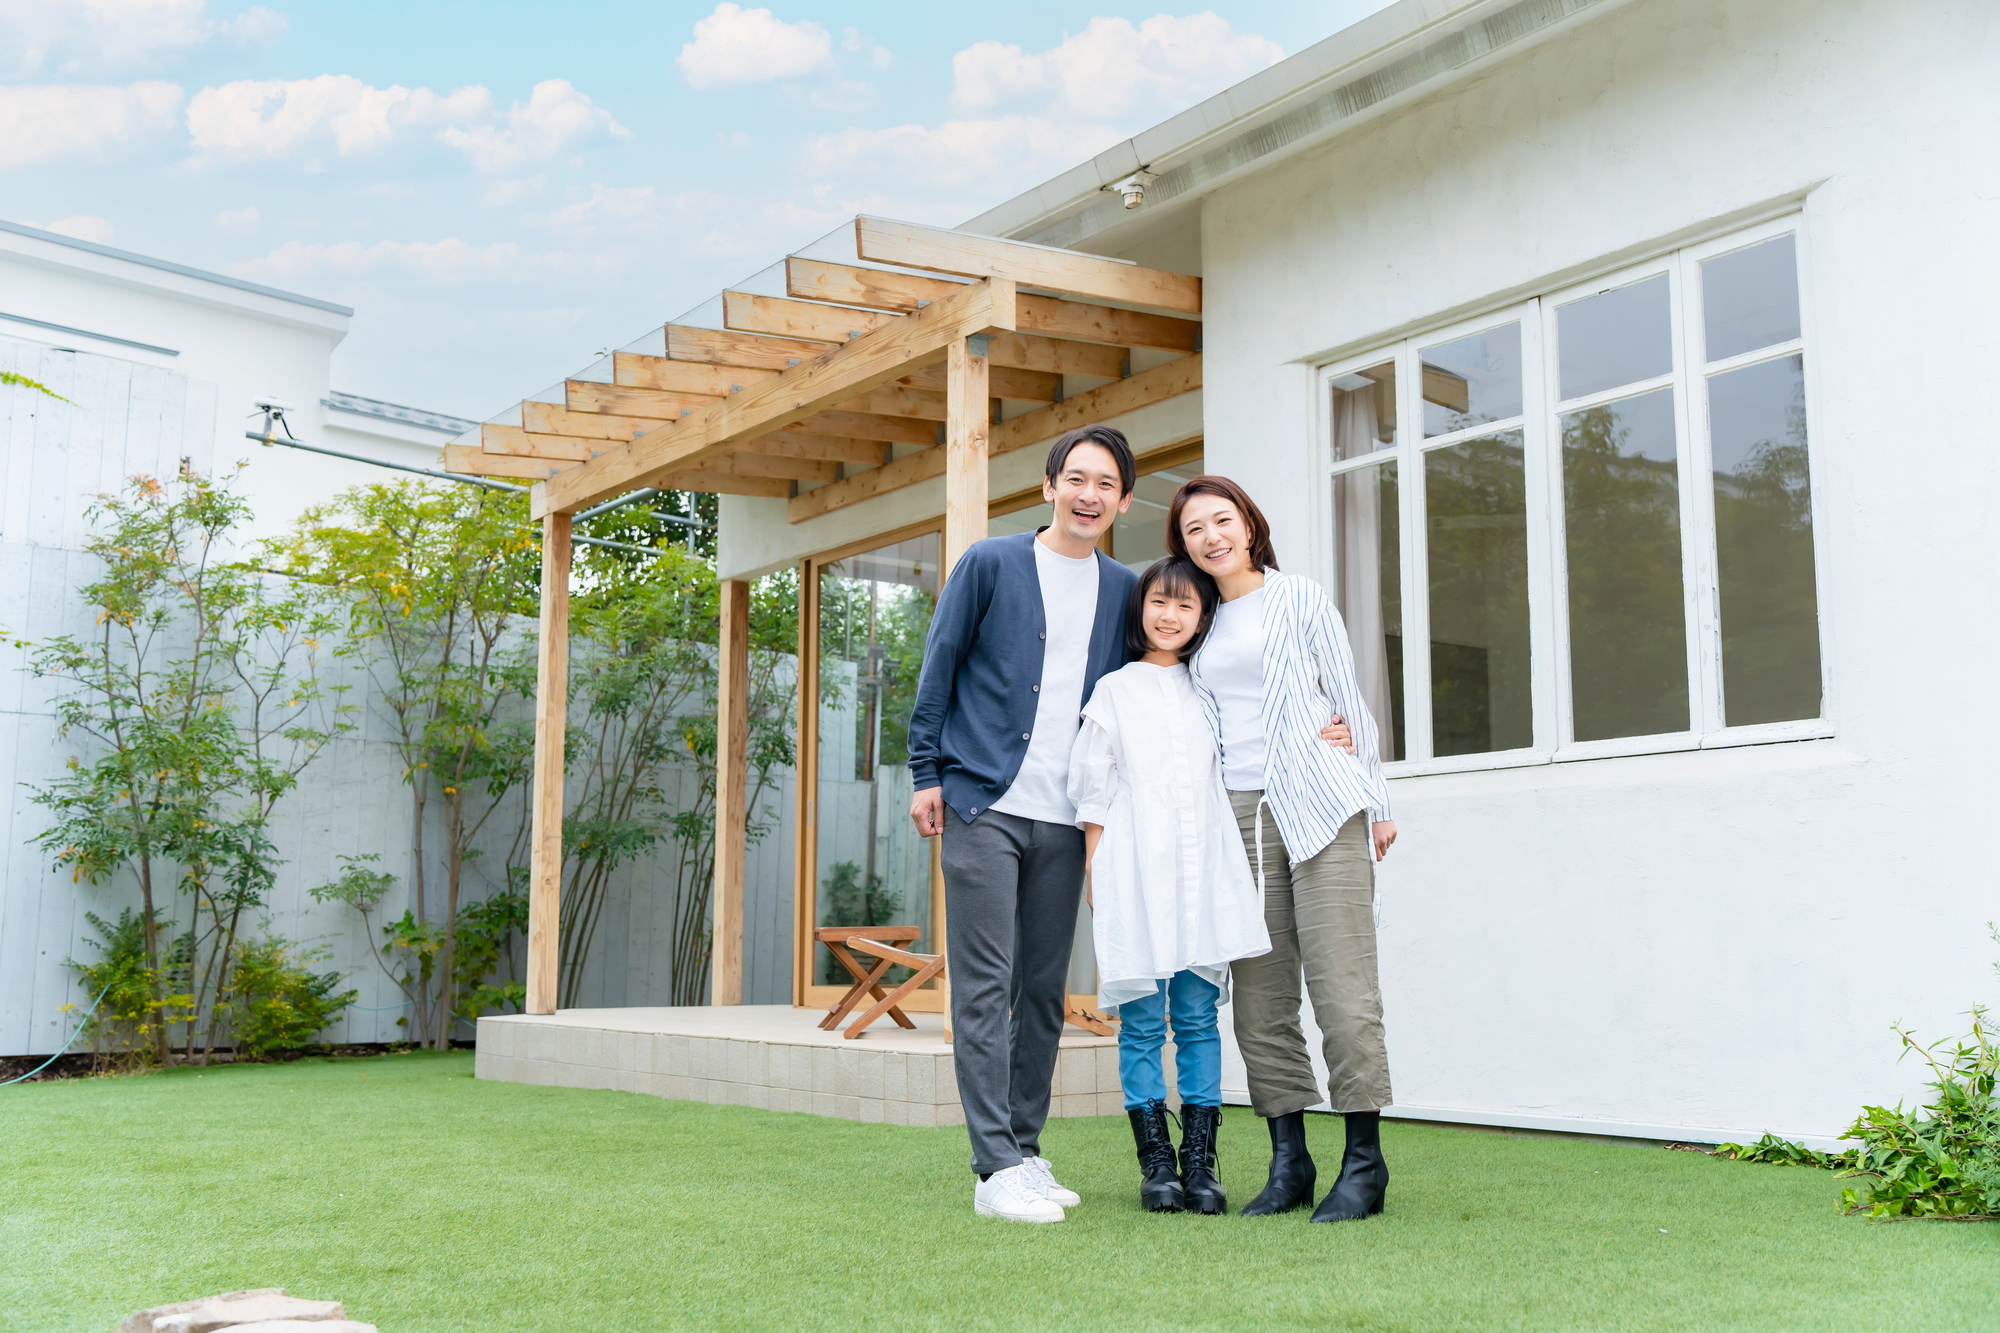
x,y
1170,618
1218,540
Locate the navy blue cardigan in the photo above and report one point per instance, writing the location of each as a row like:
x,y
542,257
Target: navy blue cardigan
x,y
976,698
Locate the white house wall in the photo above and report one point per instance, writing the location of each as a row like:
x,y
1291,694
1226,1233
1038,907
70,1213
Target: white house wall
x,y
1715,940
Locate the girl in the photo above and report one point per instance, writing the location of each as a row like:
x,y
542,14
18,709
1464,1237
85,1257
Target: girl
x,y
1272,664
1178,903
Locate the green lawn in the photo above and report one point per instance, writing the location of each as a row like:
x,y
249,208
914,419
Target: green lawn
x,y
429,1201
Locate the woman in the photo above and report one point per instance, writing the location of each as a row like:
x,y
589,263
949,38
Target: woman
x,y
1275,661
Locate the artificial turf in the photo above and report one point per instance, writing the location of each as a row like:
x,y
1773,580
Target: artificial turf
x,y
427,1200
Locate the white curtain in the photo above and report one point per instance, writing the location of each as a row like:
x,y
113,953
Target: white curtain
x,y
1358,525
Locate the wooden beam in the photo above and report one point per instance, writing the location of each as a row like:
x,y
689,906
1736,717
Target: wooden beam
x,y
1110,400
545,847
463,458
721,483
743,464
732,773
899,400
904,292
798,319
874,359
908,245
1057,356
660,372
549,419
724,348
1028,386
514,442
792,442
631,401
868,426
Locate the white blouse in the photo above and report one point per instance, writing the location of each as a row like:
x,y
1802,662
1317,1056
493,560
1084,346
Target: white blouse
x,y
1170,882
1230,667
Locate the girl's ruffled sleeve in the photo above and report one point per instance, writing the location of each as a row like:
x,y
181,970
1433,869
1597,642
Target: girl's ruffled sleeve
x,y
1093,769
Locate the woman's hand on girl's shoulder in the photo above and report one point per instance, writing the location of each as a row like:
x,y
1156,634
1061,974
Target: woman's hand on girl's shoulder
x,y
1336,734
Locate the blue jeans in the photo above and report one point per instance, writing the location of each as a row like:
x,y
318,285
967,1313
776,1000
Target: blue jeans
x,y
1197,1044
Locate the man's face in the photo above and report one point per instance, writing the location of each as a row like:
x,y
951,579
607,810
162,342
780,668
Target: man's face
x,y
1086,494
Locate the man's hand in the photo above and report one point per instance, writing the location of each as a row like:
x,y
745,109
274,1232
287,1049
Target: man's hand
x,y
1336,734
927,812
1385,838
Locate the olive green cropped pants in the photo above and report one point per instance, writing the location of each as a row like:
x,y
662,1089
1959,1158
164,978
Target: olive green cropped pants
x,y
1321,915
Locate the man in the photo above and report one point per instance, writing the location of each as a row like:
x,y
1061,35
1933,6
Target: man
x,y
1025,628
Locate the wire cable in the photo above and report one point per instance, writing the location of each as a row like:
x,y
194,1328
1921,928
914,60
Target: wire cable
x,y
66,1045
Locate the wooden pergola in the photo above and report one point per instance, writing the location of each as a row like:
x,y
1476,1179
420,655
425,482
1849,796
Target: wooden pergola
x,y
863,379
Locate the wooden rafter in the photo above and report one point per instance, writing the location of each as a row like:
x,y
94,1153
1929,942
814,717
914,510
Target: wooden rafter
x,y
908,245
632,401
1027,386
723,347
717,380
802,391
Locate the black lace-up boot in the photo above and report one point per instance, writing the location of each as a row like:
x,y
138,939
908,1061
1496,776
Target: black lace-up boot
x,y
1293,1174
1160,1182
1364,1176
1199,1128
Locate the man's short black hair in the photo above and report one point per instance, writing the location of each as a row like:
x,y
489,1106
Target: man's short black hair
x,y
1179,577
1105,437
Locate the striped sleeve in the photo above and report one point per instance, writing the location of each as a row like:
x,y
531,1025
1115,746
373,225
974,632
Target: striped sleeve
x,y
1326,639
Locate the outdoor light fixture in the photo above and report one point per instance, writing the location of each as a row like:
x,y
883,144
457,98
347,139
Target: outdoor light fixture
x,y
1133,187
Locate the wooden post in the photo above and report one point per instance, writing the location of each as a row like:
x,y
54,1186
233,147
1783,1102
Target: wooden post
x,y
967,416
545,853
732,776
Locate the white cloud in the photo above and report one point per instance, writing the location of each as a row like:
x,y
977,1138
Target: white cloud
x,y
554,117
93,36
238,219
497,193
1113,69
956,153
844,96
83,227
447,262
734,45
64,122
854,42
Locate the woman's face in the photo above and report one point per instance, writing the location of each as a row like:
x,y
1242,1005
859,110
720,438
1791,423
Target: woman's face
x,y
1218,540
1170,618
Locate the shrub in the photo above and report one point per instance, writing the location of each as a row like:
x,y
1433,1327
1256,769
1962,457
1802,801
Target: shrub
x,y
279,1003
1944,1160
134,995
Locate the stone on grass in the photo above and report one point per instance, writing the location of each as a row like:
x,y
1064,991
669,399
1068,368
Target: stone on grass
x,y
265,1309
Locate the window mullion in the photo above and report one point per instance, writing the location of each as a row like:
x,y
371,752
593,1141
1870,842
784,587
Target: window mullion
x,y
1562,718
1417,741
1697,505
1544,533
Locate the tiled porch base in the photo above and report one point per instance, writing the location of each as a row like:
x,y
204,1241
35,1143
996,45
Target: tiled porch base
x,y
774,1058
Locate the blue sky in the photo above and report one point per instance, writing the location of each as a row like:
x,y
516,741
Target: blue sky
x,y
503,190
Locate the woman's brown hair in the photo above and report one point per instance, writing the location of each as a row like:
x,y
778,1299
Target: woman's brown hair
x,y
1261,554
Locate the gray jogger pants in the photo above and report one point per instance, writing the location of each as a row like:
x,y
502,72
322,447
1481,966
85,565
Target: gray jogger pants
x,y
1321,915
1011,887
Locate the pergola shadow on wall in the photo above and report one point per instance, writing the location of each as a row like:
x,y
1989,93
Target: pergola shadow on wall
x,y
919,353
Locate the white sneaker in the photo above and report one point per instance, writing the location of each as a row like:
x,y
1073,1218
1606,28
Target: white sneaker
x,y
1044,1177
1011,1194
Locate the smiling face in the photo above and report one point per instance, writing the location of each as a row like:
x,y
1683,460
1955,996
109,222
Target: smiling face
x,y
1171,617
1086,494
1218,540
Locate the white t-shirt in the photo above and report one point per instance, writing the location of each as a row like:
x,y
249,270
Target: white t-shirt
x,y
1231,664
1069,606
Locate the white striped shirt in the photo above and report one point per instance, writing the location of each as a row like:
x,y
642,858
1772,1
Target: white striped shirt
x,y
1312,787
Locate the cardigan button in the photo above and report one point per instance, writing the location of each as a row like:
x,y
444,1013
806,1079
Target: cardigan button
x,y
1024,735
1036,688
1043,635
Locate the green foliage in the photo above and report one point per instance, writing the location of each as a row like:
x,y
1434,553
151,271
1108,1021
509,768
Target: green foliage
x,y
488,980
1775,1151
277,1002
1942,1161
10,377
135,997
847,898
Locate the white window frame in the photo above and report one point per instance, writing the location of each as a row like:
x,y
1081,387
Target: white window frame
x,y
1548,602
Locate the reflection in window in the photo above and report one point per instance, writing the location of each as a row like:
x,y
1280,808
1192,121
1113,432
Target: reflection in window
x,y
1472,381
1750,298
1364,411
1476,520
1367,538
1627,618
1764,543
1613,338
874,612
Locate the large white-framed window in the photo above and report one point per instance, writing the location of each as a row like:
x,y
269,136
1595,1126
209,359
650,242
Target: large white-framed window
x,y
1582,525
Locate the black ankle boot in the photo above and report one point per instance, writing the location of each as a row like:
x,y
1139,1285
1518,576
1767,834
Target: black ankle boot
x,y
1293,1174
1159,1182
1364,1176
1199,1127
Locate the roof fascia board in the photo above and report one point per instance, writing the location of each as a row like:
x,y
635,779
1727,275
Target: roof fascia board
x,y
48,250
1419,45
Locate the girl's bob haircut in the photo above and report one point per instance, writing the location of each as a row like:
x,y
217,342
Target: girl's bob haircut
x,y
1176,576
1259,532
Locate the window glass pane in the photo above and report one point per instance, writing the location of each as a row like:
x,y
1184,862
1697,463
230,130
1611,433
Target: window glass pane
x,y
1364,411
874,611
1750,298
1471,381
1367,545
1031,519
1616,337
1139,535
1627,621
1764,543
1476,521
